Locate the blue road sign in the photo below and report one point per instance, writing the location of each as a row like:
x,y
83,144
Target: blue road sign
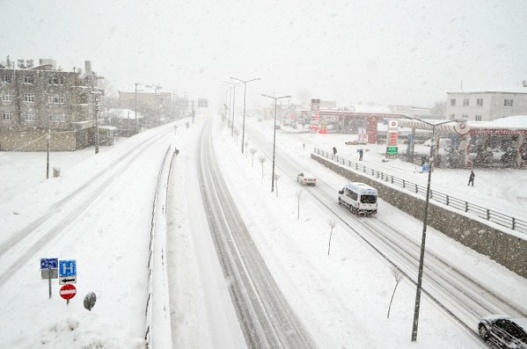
x,y
68,268
49,263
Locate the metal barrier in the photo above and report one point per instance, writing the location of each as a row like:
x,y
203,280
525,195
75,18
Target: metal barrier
x,y
496,217
152,251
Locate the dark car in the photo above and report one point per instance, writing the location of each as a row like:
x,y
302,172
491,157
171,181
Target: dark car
x,y
504,331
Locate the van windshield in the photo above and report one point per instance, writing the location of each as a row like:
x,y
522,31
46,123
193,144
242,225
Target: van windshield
x,y
368,199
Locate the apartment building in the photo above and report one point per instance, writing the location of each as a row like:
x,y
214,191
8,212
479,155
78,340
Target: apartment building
x,y
486,105
41,103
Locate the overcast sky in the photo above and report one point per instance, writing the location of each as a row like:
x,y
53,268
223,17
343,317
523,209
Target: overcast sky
x,y
353,51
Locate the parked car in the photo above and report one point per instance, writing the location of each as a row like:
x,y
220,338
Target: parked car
x,y
306,179
504,331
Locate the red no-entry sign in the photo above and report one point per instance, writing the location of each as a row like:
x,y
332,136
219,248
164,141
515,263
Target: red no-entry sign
x,y
68,291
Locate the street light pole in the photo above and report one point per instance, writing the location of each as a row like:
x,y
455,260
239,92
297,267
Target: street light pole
x,y
274,135
95,111
233,85
48,145
425,222
244,99
135,106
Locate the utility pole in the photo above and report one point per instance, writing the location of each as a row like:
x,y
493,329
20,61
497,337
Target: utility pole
x,y
244,99
95,111
48,139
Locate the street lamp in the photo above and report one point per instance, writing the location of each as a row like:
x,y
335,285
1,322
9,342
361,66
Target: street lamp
x,y
274,134
96,116
425,221
95,91
244,98
135,106
233,85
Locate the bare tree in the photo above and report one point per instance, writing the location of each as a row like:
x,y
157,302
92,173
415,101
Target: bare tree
x,y
332,224
252,151
398,275
303,97
262,159
298,194
439,109
276,178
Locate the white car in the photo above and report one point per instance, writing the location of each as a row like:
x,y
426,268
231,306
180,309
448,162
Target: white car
x,y
306,179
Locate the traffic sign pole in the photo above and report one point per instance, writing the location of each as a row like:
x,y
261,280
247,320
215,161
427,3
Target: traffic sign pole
x,y
67,292
48,267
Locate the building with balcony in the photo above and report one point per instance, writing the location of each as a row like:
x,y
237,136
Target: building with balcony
x,y
38,101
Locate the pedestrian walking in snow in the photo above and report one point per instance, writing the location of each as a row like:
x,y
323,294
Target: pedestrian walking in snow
x,y
471,178
361,153
334,151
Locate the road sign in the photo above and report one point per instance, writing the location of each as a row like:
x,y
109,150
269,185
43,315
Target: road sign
x,y
49,263
68,280
67,268
49,273
68,291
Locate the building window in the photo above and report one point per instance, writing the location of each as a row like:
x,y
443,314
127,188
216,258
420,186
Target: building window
x,y
478,117
479,102
29,97
53,80
56,99
28,79
464,116
6,78
466,102
507,102
7,97
56,80
7,115
29,117
57,118
452,116
452,102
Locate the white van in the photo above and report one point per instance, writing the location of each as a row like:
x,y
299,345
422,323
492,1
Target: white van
x,y
444,143
359,197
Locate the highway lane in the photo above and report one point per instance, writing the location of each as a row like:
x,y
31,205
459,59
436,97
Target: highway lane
x,y
463,296
265,316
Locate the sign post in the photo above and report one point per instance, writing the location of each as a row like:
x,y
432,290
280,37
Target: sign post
x,y
67,292
392,139
67,272
49,270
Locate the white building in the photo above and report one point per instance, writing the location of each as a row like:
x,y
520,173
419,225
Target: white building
x,y
486,105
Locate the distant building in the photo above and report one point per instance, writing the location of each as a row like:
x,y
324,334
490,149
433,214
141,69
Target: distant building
x,y
412,111
486,105
157,107
41,100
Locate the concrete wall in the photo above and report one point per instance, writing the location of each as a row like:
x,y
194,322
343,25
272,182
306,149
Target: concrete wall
x,y
505,249
36,140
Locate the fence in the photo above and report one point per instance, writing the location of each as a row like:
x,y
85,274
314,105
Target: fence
x,y
499,218
152,251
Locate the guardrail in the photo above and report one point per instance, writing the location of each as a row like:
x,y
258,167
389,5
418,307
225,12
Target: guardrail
x,y
152,252
496,217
